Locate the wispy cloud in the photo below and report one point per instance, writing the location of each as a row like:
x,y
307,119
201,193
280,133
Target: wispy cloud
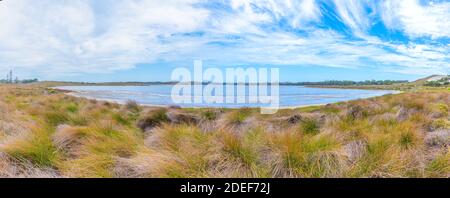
x,y
353,14
53,38
417,18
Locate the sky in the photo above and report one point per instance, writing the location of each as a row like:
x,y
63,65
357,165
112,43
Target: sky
x,y
144,40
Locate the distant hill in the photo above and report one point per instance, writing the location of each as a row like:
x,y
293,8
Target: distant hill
x,y
434,80
431,78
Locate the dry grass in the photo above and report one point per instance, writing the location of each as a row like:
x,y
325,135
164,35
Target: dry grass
x,y
44,133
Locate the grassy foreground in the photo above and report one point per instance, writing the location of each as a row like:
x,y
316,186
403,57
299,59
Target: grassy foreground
x,y
45,133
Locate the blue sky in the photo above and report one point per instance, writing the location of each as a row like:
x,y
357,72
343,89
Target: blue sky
x,y
144,40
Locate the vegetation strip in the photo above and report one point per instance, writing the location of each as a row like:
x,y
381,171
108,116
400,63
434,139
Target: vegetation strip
x,y
46,133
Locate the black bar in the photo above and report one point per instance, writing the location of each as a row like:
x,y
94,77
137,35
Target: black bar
x,y
127,187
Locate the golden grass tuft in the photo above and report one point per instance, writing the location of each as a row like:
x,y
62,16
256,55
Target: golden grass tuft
x,y
97,149
13,168
36,147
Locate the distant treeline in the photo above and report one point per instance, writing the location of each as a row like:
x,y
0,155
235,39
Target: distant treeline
x,y
442,82
24,81
349,82
329,82
123,83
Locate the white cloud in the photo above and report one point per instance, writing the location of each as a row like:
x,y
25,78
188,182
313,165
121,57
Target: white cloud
x,y
66,37
353,14
55,38
417,19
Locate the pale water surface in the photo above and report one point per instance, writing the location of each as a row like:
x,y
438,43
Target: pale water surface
x,y
290,96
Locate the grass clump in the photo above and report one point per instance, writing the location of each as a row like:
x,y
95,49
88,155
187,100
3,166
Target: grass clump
x,y
408,136
96,153
37,148
120,119
132,106
190,150
441,123
152,119
72,108
375,157
297,155
407,139
234,146
78,119
55,118
310,127
209,115
321,157
243,152
237,117
440,166
442,108
287,154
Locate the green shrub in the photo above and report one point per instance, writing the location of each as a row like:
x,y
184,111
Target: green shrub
x,y
120,119
72,108
238,116
310,126
55,118
209,115
406,139
152,119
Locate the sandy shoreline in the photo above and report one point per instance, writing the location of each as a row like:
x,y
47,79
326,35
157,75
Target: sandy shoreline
x,y
76,94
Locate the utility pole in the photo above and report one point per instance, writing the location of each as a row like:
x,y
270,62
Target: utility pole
x,y
10,76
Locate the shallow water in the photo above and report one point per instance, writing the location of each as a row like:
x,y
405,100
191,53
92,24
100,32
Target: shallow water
x,y
289,96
